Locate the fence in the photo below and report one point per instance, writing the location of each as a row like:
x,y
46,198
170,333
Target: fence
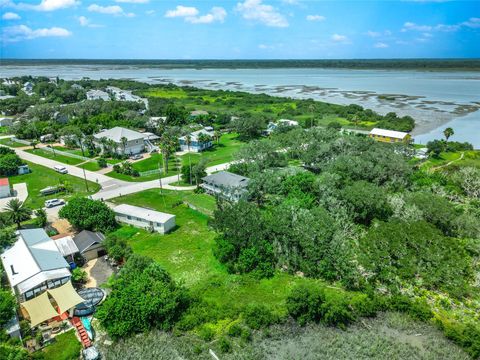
x,y
65,153
21,141
150,172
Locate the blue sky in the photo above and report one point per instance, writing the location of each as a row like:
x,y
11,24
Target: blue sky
x,y
240,29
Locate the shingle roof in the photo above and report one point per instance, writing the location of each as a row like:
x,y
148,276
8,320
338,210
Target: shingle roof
x,y
143,213
87,238
118,132
388,133
227,179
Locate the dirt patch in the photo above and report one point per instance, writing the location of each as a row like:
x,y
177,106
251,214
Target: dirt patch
x,y
63,226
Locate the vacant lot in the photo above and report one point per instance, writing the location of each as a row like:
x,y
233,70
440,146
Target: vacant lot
x,y
55,156
42,177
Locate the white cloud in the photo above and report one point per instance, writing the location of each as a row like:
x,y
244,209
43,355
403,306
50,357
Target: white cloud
x,y
427,35
412,26
10,16
85,22
150,12
132,1
255,11
182,11
447,28
23,32
315,17
47,5
381,45
191,14
109,10
339,38
216,14
472,23
373,33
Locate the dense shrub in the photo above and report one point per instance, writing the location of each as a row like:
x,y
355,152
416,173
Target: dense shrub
x,y
258,316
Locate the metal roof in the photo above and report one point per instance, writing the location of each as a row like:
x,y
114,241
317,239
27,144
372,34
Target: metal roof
x,y
194,135
388,133
66,245
86,239
227,179
143,213
117,133
4,182
33,253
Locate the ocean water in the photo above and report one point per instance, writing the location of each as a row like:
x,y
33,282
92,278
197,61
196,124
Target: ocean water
x,y
435,99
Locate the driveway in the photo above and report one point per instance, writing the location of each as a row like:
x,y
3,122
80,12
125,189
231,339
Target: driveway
x,y
20,192
98,271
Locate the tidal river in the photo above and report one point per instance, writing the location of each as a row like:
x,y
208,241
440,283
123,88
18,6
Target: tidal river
x,y
436,99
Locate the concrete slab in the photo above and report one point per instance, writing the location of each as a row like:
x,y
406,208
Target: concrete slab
x,y
19,191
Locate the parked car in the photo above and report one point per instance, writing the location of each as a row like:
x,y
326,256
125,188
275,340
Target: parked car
x,y
137,157
61,169
54,202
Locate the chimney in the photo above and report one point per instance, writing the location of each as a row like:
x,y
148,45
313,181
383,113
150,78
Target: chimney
x,y
13,270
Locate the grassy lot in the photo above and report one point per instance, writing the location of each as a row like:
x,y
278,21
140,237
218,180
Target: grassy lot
x,y
168,94
57,157
91,166
42,177
65,347
72,151
470,158
11,143
187,253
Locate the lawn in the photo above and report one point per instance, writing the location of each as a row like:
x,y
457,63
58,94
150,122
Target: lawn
x,y
470,158
73,151
167,94
220,153
187,253
11,143
42,177
57,157
91,166
65,347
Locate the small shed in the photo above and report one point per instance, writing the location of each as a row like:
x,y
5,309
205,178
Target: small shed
x,y
4,188
90,244
67,247
23,169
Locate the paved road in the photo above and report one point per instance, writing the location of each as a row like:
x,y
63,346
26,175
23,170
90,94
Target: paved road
x,y
111,187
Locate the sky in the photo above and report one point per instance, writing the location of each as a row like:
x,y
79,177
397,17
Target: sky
x,y
239,29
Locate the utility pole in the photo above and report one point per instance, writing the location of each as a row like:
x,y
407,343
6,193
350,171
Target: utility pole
x,y
85,177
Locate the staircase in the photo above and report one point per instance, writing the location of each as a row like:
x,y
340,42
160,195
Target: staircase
x,y
150,146
82,333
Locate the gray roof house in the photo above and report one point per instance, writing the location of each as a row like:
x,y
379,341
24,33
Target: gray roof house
x,y
97,95
34,263
226,185
90,244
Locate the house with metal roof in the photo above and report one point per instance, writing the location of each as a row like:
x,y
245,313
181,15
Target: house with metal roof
x,y
90,244
34,264
66,246
135,141
196,141
144,218
97,95
4,188
226,185
389,136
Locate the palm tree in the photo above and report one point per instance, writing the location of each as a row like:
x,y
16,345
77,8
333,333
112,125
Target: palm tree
x,y
17,212
188,140
312,109
104,143
124,142
448,132
203,139
217,135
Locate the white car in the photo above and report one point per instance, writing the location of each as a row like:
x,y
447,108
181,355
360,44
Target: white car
x,y
54,202
61,169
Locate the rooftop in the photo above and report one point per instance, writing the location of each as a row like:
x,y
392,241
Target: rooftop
x,y
194,135
143,213
388,133
86,238
4,182
33,253
227,179
117,133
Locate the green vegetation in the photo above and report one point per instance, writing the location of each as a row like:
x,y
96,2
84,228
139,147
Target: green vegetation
x,y
65,347
11,143
42,177
9,162
55,156
86,214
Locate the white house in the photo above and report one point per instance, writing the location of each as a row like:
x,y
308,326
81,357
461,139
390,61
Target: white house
x,y
135,140
34,263
226,185
282,122
28,88
97,95
195,144
4,188
144,218
5,121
